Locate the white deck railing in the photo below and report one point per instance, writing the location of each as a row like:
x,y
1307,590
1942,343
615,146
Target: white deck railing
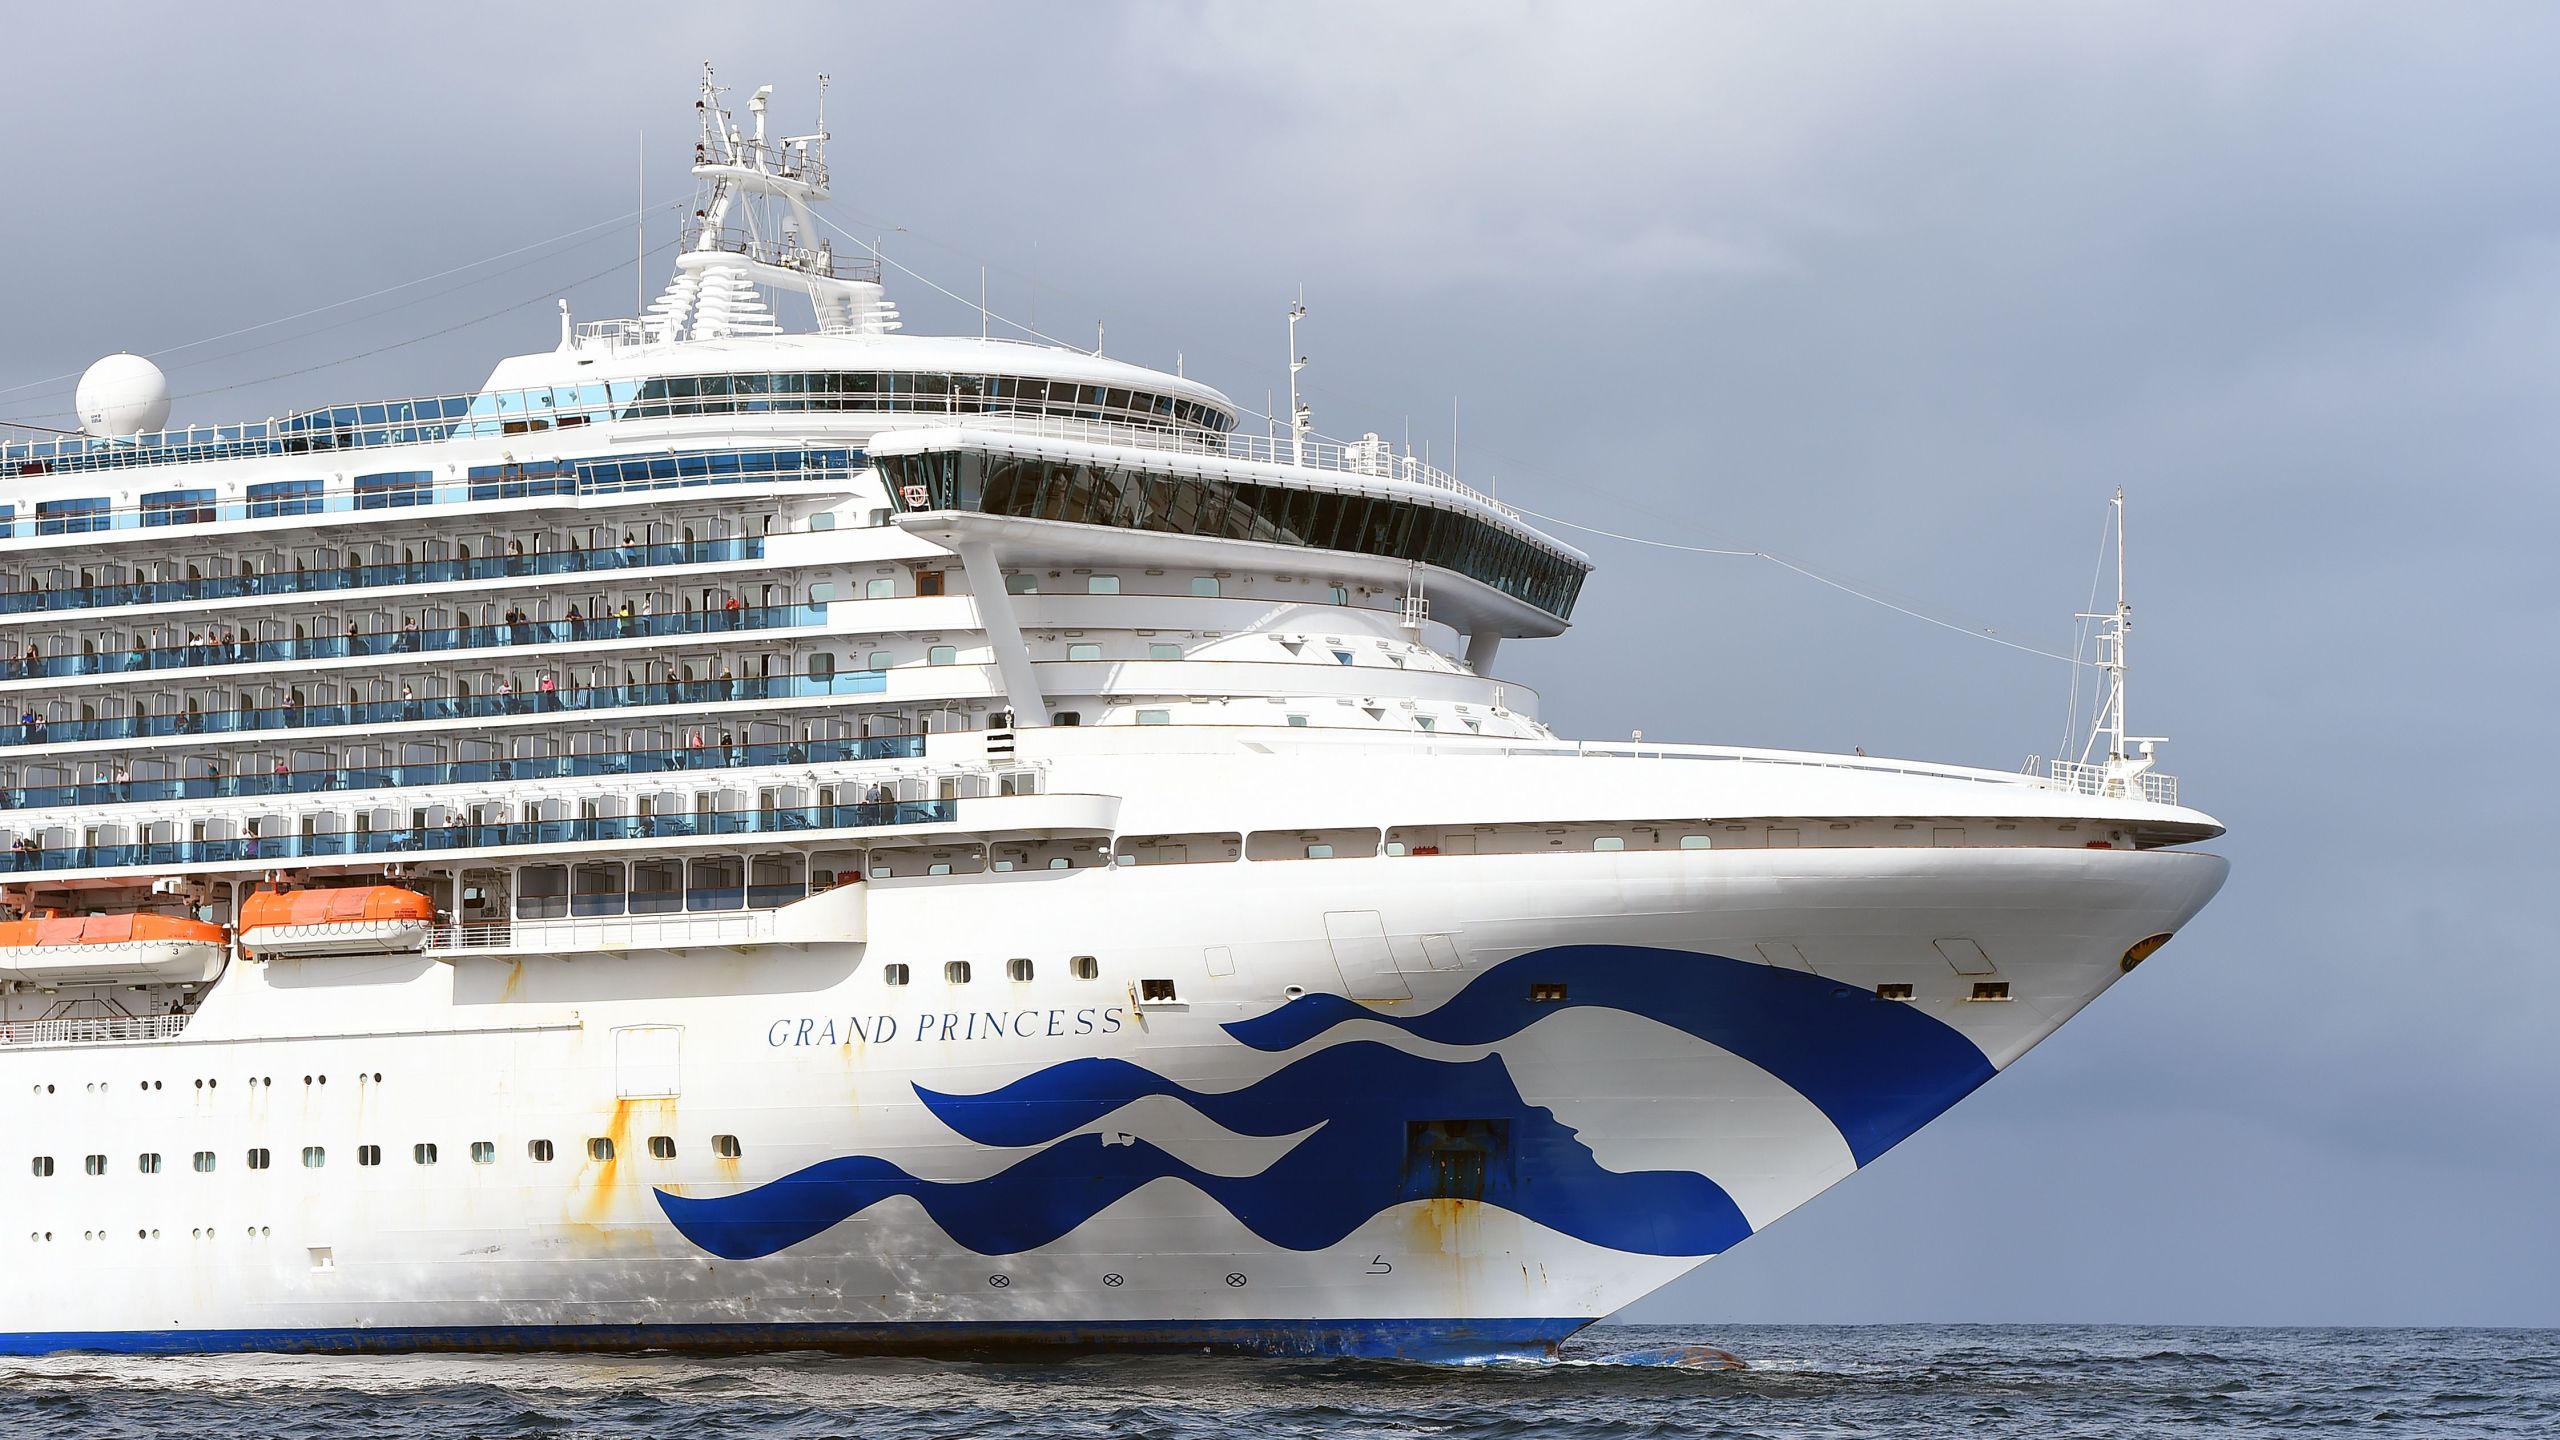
x,y
2094,780
91,1029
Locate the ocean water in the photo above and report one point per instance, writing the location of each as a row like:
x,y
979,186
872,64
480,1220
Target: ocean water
x,y
2048,1382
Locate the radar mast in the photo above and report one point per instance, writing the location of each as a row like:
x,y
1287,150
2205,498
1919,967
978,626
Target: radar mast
x,y
750,231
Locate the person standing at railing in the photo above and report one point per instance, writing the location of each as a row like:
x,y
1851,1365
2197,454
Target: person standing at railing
x,y
409,633
729,610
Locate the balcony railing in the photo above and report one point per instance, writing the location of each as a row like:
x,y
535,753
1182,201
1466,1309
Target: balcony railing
x,y
2082,779
32,729
431,839
91,1030
417,642
366,577
515,480
686,759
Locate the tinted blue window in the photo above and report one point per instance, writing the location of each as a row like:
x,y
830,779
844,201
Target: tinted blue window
x,y
284,497
71,517
388,491
177,507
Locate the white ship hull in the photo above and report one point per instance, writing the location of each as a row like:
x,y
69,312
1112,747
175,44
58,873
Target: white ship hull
x,y
1236,1168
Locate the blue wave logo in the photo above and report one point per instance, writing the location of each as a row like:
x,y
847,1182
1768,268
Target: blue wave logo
x,y
1390,1127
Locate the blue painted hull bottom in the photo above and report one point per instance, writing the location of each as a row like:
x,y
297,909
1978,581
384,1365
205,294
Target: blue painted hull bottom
x,y
1428,1341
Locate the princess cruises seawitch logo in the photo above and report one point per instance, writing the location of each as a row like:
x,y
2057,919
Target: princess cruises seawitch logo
x,y
1376,1120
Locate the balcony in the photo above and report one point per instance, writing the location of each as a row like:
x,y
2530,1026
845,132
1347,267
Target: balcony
x,y
685,760
368,577
396,643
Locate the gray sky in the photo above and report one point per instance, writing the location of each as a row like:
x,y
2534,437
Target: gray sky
x,y
1899,292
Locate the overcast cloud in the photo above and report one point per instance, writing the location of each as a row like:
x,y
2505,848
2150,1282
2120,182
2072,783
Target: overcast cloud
x,y
1900,292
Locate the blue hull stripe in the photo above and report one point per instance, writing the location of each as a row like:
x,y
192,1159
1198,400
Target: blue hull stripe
x,y
1425,1340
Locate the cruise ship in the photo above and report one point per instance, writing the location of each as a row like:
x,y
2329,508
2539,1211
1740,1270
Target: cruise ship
x,y
755,829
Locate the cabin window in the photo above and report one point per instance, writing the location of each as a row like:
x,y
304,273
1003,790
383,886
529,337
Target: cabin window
x,y
955,972
1155,717
941,655
1018,968
484,1152
1160,650
1084,652
422,1154
148,1162
726,1147
1204,585
893,974
314,1156
883,588
368,1154
1102,585
42,1166
538,1151
204,1162
600,1148
1083,967
94,1164
259,1159
662,1147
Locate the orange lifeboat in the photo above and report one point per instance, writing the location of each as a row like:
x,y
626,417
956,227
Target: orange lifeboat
x,y
99,949
347,920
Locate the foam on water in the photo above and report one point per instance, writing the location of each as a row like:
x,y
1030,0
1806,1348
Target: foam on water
x,y
1921,1381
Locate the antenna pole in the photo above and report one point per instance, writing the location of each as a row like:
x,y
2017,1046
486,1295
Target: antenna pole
x,y
640,252
1299,418
2124,625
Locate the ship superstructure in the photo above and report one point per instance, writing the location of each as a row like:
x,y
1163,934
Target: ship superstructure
x,y
729,836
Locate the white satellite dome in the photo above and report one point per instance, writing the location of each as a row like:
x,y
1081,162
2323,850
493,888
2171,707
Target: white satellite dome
x,y
122,395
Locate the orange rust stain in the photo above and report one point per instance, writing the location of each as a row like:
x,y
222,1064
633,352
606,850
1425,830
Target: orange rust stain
x,y
630,1119
1443,1227
515,977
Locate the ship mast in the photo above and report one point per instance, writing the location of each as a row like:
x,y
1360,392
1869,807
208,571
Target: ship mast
x,y
2125,756
751,231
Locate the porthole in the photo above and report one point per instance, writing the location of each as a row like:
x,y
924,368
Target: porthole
x,y
1018,968
368,1154
662,1147
893,974
258,1158
43,1166
725,1146
484,1152
204,1162
600,1148
538,1151
955,972
422,1154
1083,967
148,1162
314,1156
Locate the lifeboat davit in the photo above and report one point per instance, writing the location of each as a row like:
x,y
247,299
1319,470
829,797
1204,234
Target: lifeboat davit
x,y
111,949
349,920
